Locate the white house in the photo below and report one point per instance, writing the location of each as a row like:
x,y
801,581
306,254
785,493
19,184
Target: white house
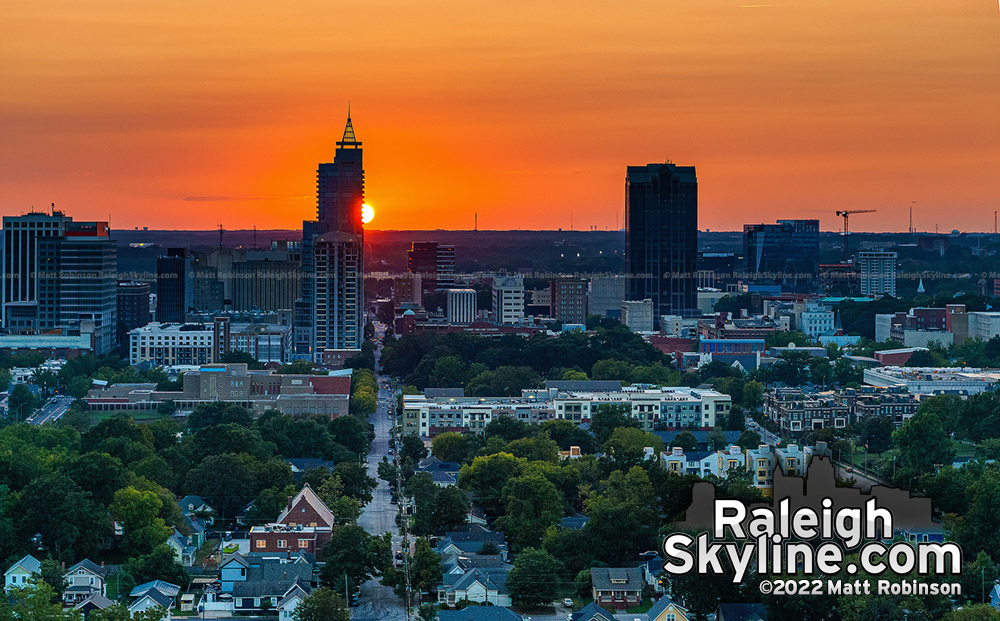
x,y
84,579
18,574
151,595
286,607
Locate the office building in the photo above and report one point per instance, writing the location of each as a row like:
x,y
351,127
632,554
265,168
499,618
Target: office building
x,y
133,308
332,313
461,306
786,252
266,280
508,299
174,291
638,315
569,300
435,263
878,273
606,295
164,344
59,275
661,237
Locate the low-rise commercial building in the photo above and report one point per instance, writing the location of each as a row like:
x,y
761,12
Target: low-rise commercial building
x,y
935,380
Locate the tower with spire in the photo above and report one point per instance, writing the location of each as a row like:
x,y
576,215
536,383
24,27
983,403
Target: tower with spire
x,y
330,314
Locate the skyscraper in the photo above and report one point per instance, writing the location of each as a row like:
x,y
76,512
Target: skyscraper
x,y
435,263
60,275
878,272
333,256
661,237
786,252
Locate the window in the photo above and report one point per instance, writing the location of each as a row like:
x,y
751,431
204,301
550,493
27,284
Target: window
x,y
281,543
303,543
261,543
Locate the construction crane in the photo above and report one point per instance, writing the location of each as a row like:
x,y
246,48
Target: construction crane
x,y
846,213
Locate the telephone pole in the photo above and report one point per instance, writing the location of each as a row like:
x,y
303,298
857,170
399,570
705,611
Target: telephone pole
x,y
403,523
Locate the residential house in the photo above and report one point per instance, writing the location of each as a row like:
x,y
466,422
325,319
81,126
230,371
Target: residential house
x,y
761,462
152,595
95,601
741,612
476,585
665,609
195,506
995,595
18,574
304,525
259,582
574,522
301,465
295,595
183,552
83,580
479,613
444,473
470,539
701,463
730,459
651,564
592,612
617,587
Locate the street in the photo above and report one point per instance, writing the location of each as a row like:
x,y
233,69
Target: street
x,y
379,516
52,410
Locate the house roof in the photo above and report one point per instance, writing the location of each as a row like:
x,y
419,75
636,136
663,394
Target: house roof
x,y
301,464
28,563
297,590
164,588
607,578
592,612
480,613
662,604
494,579
96,600
742,612
158,597
574,522
88,565
308,496
238,558
192,503
475,532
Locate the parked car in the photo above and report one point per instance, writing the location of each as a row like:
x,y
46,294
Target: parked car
x,y
568,602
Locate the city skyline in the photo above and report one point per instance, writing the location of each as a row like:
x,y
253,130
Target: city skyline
x,y
184,117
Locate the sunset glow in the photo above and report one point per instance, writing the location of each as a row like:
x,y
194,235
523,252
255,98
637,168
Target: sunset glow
x,y
187,114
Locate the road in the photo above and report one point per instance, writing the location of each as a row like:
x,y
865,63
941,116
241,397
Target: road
x,y
379,516
52,410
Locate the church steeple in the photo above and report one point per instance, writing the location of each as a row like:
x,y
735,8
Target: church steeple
x,y
349,139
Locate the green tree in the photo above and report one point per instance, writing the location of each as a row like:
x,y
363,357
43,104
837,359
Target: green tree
x,y
608,417
627,446
413,447
452,446
353,553
749,439
36,602
241,357
22,403
323,604
922,444
138,513
357,483
448,372
532,504
52,574
487,476
219,413
535,578
686,441
451,509
876,433
506,428
977,612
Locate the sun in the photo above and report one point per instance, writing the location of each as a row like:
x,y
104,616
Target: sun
x,y
367,213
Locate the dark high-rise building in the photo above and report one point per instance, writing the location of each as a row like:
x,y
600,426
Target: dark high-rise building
x,y
331,315
435,263
133,308
174,289
661,237
59,275
786,252
569,300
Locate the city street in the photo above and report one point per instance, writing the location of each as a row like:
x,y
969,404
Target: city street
x,y
53,409
379,516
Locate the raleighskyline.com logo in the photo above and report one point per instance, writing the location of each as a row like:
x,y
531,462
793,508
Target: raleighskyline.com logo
x,y
820,533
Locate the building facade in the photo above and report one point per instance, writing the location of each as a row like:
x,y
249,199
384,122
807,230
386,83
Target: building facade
x,y
661,237
461,306
878,272
508,299
569,300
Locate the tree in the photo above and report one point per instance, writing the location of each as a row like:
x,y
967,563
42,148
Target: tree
x,y
219,413
159,564
323,604
357,483
65,515
22,403
506,428
241,357
876,434
627,446
505,381
228,482
427,612
52,574
749,439
922,444
686,441
425,568
487,476
451,509
448,372
532,504
138,513
413,447
535,578
353,553
608,417
977,612
37,602
453,446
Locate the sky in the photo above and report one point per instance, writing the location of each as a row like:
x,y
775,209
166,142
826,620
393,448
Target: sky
x,y
185,114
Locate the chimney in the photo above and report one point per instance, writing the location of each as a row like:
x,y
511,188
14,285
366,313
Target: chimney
x,y
289,505
64,566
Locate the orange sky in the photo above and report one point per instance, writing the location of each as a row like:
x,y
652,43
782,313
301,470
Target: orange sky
x,y
523,111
